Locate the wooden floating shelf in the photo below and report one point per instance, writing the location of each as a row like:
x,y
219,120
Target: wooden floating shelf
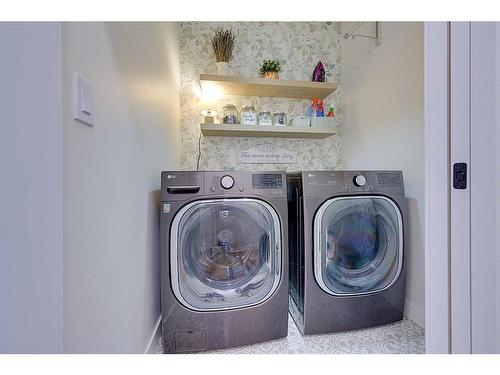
x,y
278,88
225,130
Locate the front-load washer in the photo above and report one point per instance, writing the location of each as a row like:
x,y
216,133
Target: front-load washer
x,y
347,249
224,259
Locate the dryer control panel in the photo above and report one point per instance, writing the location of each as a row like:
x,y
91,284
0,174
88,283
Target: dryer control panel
x,y
319,183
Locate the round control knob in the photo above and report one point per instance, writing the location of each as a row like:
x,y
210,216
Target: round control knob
x,y
227,182
359,180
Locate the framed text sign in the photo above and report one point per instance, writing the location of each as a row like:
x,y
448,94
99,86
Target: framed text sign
x,y
264,153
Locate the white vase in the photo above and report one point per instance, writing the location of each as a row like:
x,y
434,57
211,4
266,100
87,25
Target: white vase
x,y
224,69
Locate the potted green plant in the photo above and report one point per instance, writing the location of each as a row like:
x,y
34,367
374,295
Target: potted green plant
x,y
223,45
270,69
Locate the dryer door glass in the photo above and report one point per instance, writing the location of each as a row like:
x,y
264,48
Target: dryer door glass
x,y
226,253
358,245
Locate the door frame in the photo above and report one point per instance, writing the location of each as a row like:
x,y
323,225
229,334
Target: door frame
x,y
437,187
461,123
484,186
460,199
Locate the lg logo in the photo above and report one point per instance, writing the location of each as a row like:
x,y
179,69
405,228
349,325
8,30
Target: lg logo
x,y
169,176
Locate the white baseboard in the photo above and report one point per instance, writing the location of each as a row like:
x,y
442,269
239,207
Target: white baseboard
x,y
415,313
155,336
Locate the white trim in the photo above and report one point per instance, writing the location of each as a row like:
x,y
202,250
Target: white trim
x,y
485,261
460,317
437,188
60,208
155,336
174,274
319,264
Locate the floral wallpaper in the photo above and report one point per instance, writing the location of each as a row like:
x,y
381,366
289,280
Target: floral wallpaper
x,y
298,46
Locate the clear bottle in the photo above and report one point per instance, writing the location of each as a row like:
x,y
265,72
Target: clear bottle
x,y
229,114
248,115
279,119
265,118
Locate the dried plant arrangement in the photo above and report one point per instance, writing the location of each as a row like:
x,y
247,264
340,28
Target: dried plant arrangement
x,y
223,44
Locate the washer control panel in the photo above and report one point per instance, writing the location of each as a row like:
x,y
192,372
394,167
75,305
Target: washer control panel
x,y
227,182
238,183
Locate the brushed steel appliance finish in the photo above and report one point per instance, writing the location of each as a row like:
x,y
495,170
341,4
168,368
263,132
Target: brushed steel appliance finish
x,y
314,310
186,329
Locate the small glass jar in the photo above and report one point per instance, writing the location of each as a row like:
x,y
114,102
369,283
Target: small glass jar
x,y
265,118
229,114
208,116
279,119
248,115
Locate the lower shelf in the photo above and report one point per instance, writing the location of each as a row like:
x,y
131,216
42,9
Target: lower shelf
x,y
225,130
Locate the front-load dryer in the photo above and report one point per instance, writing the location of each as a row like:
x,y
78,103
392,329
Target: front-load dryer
x,y
224,259
347,249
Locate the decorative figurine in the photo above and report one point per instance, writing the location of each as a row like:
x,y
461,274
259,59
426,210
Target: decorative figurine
x,y
318,107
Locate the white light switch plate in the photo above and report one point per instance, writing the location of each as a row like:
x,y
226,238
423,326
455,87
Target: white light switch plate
x,y
83,101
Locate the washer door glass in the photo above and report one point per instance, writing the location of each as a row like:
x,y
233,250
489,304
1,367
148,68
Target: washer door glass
x,y
358,245
225,253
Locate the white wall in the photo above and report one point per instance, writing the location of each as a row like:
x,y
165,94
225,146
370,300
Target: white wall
x,y
30,194
383,127
497,114
498,184
111,180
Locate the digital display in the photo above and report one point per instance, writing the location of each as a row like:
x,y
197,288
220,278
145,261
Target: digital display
x,y
389,179
267,181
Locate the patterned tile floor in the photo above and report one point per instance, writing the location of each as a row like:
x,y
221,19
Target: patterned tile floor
x,y
404,337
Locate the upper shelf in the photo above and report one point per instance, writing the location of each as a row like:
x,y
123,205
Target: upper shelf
x,y
278,88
